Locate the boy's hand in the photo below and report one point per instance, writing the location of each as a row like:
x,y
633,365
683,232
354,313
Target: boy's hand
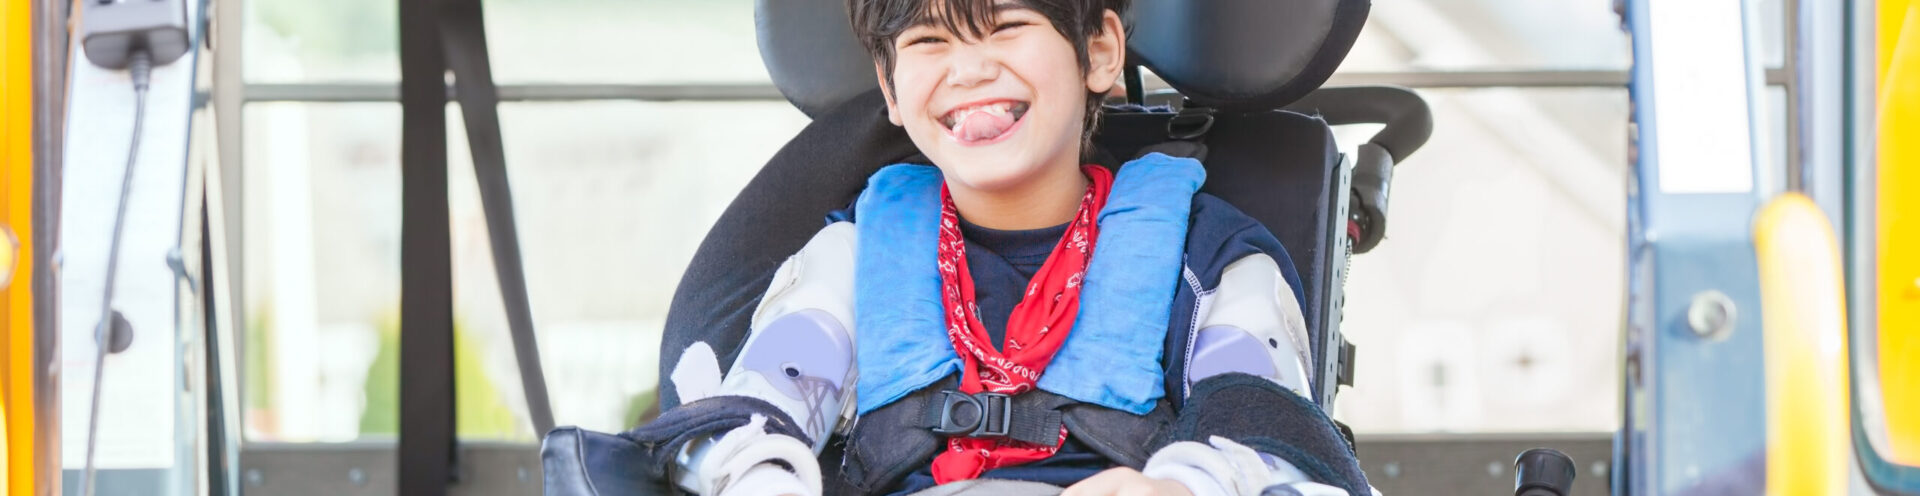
x,y
1126,482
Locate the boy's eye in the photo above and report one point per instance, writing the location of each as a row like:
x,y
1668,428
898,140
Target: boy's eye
x,y
1010,25
925,39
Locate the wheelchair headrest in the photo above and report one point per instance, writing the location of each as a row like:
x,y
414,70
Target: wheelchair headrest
x,y
1227,54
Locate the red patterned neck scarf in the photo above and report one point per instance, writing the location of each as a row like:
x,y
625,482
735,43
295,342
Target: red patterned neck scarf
x,y
1036,329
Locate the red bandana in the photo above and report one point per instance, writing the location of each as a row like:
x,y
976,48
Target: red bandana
x,y
1051,304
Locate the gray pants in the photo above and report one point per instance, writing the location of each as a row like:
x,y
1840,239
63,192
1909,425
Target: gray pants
x,y
995,487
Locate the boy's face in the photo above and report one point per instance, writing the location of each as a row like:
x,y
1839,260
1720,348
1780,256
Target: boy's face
x,y
995,112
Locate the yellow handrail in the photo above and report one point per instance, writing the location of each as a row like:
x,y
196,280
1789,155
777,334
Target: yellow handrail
x,y
16,213
1804,322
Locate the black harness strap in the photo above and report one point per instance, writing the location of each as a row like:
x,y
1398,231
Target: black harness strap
x,y
464,36
895,439
1123,437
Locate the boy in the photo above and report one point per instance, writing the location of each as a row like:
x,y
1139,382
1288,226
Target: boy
x,y
1025,322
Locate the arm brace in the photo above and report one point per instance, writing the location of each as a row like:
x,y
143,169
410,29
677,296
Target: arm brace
x,y
1248,374
797,359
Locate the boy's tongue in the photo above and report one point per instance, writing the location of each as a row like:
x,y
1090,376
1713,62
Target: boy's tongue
x,y
980,126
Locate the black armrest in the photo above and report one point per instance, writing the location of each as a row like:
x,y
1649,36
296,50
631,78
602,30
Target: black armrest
x,y
1409,121
579,462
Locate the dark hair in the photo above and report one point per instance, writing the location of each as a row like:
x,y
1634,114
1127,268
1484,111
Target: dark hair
x,y
877,22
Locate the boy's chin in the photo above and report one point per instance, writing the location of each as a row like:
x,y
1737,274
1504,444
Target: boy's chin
x,y
990,176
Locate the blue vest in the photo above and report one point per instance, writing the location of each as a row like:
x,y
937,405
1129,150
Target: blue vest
x,y
1112,356
1161,245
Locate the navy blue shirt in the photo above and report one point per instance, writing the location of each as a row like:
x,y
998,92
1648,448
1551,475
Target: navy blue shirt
x,y
1002,262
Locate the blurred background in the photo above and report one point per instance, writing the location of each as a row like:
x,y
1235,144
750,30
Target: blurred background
x,y
1503,268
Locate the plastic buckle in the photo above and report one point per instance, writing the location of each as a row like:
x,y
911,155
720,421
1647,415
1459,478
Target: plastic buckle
x,y
1192,122
975,415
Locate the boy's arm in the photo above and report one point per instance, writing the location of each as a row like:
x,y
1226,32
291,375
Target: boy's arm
x,y
1247,423
789,388
798,354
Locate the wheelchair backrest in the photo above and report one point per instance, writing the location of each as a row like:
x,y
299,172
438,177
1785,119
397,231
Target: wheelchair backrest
x,y
1236,63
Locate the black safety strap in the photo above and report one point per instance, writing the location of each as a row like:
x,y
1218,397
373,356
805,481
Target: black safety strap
x,y
465,38
1028,418
426,268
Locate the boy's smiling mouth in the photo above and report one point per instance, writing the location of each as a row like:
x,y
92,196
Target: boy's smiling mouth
x,y
983,122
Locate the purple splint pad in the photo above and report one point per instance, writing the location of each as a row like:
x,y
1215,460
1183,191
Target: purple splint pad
x,y
807,344
1224,349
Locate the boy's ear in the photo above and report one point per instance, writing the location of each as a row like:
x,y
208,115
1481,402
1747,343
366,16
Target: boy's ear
x,y
893,109
1106,54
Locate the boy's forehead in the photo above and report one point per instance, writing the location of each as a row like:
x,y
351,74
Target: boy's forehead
x,y
935,13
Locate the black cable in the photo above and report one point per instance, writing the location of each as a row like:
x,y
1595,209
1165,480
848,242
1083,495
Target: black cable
x,y
140,69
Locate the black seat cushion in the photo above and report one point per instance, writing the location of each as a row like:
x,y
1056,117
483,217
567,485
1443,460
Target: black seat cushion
x,y
819,171
1281,169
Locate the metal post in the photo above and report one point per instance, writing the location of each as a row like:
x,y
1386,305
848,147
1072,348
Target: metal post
x,y
49,109
223,218
229,93
735,92
1793,63
426,447
1694,366
1816,103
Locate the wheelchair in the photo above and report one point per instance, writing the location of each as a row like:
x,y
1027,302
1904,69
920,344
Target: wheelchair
x,y
1246,81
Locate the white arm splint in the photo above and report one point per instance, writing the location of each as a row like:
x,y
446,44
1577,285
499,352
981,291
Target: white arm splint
x,y
767,479
1228,468
1251,323
722,467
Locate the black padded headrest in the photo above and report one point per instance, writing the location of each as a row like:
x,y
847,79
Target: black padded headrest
x,y
1228,54
810,51
1245,54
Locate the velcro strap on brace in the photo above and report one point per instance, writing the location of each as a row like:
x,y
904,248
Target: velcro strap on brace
x,y
1028,417
1255,412
661,440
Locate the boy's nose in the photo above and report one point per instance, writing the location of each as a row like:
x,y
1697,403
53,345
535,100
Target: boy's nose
x,y
971,65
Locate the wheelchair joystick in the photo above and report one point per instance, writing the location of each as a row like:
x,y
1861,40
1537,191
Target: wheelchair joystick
x,y
1542,472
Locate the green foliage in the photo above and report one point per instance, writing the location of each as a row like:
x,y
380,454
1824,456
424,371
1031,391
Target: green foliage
x,y
479,410
257,375
641,408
